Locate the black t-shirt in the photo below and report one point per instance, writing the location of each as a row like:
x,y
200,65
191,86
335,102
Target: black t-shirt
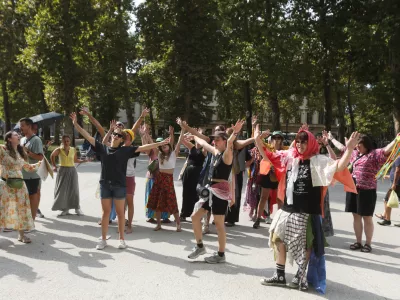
x,y
196,157
114,162
306,198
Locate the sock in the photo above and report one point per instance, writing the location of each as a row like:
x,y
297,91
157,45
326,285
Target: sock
x,y
221,254
280,270
200,245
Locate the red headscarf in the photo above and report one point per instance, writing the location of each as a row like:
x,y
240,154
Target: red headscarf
x,y
312,147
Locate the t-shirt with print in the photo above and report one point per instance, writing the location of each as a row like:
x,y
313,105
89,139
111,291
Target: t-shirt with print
x,y
114,163
395,165
366,167
306,198
33,144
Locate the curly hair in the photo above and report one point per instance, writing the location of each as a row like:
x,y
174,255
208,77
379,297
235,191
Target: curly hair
x,y
10,148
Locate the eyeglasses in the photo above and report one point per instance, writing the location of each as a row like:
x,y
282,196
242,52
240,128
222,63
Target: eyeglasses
x,y
117,134
301,142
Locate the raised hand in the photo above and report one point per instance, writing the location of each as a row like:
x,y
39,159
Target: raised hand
x,y
353,141
238,126
257,131
254,120
113,125
73,118
142,130
145,112
165,142
200,130
84,111
265,134
304,127
171,130
330,136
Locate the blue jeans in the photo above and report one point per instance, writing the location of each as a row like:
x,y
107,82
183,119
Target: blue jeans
x,y
108,191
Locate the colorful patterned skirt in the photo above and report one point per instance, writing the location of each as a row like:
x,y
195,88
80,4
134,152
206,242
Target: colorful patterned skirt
x,y
162,196
149,212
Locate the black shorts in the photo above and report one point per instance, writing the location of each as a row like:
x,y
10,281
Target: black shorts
x,y
362,203
265,182
219,207
33,185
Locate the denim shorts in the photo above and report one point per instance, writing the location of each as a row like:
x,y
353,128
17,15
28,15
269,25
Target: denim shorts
x,y
108,191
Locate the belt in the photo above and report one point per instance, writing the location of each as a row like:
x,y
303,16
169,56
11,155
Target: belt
x,y
218,180
5,179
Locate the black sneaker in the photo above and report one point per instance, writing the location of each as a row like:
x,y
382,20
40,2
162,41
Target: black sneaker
x,y
256,224
275,280
397,225
385,222
39,213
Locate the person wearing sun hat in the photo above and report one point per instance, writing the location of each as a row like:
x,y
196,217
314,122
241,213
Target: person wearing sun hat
x,y
269,182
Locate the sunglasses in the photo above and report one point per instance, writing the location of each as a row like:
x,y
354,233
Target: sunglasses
x,y
301,142
120,125
117,134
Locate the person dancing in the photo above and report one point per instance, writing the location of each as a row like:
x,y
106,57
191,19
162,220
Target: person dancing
x,y
220,195
162,196
15,208
113,175
66,192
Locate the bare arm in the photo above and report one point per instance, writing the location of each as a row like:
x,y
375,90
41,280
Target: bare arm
x,y
106,139
82,131
335,142
258,141
139,121
187,143
227,157
351,144
206,145
92,120
324,140
243,143
152,146
178,144
53,156
191,130
78,161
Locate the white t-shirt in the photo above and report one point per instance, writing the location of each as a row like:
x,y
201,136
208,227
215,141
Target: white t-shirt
x,y
130,167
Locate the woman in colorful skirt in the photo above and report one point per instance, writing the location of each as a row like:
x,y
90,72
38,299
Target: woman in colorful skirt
x,y
66,192
152,171
162,196
15,208
253,187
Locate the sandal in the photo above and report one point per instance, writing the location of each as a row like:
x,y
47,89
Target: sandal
x,y
24,239
380,216
366,249
356,246
158,227
178,228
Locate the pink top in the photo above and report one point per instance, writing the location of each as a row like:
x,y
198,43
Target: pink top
x,y
365,169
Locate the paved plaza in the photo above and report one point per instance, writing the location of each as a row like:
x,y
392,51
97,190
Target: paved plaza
x,y
62,262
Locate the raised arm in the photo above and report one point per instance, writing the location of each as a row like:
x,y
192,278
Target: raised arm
x,y
324,140
178,144
191,130
106,139
240,144
82,131
152,146
99,128
139,121
388,149
227,157
186,141
258,136
171,136
335,142
350,146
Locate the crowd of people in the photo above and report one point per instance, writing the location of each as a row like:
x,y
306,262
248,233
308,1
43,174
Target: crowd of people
x,y
293,180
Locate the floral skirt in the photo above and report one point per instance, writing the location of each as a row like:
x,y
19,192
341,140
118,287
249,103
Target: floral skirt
x,y
15,208
162,197
149,212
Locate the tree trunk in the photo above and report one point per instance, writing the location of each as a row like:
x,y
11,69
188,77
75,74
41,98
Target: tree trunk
x,y
342,121
328,100
6,105
57,133
127,101
249,113
152,124
45,108
351,113
188,106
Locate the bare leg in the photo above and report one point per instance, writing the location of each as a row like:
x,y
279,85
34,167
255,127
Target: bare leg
x,y
368,229
219,223
358,227
263,202
158,216
178,222
120,209
106,206
388,211
129,200
196,224
34,200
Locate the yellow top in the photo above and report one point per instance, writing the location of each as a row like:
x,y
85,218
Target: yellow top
x,y
67,161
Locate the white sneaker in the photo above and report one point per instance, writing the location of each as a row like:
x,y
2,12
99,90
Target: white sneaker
x,y
101,245
79,212
206,229
122,244
64,213
268,220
